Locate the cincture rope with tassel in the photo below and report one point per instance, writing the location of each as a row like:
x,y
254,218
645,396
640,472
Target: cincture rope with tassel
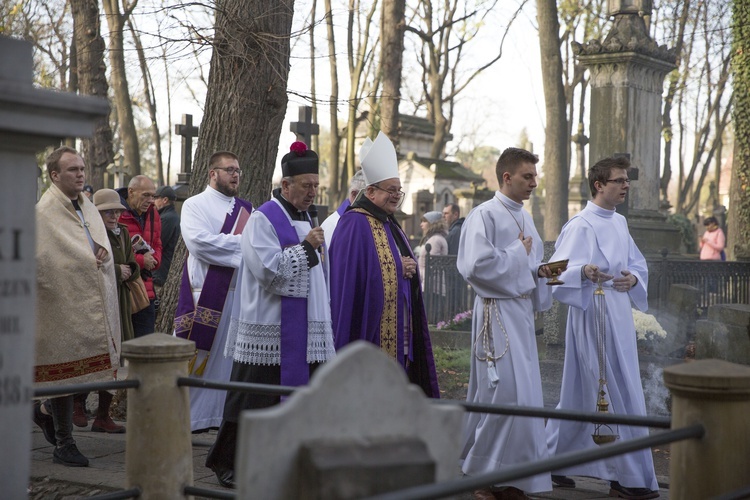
x,y
487,342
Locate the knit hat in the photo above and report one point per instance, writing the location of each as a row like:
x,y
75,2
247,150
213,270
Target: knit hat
x,y
299,160
379,162
432,217
107,199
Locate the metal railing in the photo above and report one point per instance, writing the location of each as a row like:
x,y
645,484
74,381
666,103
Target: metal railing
x,y
446,293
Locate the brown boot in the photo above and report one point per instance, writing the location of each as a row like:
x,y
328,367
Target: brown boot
x,y
103,422
79,410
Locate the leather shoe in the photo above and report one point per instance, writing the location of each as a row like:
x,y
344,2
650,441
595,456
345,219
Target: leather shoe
x,y
69,456
484,494
225,477
79,414
107,425
619,491
563,481
45,422
509,493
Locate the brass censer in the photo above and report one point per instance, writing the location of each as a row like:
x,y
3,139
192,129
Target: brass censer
x,y
603,433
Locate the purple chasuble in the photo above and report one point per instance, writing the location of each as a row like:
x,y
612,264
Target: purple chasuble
x,y
372,301
294,368
199,322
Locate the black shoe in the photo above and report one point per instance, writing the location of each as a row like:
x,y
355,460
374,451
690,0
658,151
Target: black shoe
x,y
225,477
619,491
45,422
563,481
69,456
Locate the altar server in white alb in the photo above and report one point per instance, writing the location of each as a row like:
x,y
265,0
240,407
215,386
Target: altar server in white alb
x,y
600,249
211,225
282,324
500,255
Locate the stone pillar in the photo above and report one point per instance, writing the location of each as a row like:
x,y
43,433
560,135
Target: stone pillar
x,y
627,71
158,451
716,394
30,120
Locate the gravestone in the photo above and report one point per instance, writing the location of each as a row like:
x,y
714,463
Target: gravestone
x,y
627,71
362,397
187,131
30,120
305,129
725,334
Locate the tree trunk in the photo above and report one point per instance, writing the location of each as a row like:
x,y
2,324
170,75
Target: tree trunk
x,y
556,137
116,22
391,55
739,198
92,80
334,174
245,106
148,92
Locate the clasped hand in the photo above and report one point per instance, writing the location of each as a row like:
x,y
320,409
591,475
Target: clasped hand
x,y
621,284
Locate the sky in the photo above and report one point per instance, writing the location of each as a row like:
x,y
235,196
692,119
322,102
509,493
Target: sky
x,y
506,99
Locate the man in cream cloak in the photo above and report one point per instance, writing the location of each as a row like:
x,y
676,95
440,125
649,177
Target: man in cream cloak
x,y
78,324
500,254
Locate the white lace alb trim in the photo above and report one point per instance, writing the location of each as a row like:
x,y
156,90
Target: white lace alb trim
x,y
292,277
256,344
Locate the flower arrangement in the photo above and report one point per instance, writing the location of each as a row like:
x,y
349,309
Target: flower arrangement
x,y
647,328
461,321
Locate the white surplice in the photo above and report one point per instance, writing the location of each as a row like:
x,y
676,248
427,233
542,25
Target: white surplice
x,y
599,236
202,218
494,261
268,274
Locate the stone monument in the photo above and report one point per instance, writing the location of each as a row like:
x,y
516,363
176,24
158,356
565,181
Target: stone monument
x,y
30,120
359,428
627,71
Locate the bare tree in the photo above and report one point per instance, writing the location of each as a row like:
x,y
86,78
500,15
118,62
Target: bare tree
x,y
245,106
391,55
556,130
444,31
334,175
92,80
117,16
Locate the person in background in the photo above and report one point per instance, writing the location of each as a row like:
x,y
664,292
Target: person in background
x,y
77,321
434,234
144,224
88,191
356,184
712,241
170,232
454,222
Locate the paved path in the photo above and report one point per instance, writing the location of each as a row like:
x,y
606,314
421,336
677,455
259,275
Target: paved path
x,y
106,453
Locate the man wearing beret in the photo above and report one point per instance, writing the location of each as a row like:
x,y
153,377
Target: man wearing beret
x,y
282,325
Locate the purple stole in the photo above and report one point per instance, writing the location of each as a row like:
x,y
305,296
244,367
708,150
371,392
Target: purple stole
x,y
199,322
342,208
294,368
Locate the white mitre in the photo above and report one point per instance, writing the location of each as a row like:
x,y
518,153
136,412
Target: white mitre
x,y
364,149
379,161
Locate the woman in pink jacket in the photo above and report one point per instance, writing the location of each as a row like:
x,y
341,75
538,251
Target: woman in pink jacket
x,y
713,240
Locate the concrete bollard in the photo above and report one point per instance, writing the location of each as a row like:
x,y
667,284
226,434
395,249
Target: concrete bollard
x,y
158,453
716,394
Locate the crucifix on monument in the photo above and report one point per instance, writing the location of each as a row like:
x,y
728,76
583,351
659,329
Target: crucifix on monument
x,y
187,130
305,128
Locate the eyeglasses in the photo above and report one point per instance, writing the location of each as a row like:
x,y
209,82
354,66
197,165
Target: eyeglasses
x,y
396,193
621,181
230,170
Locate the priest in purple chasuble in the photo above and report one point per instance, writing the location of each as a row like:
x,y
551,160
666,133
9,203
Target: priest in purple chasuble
x,y
375,287
211,225
600,249
281,325
500,255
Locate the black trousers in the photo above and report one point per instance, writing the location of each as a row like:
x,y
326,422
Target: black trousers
x,y
61,410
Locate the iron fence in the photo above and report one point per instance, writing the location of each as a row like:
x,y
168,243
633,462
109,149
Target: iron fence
x,y
446,293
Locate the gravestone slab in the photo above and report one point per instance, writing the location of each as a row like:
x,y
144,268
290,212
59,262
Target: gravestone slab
x,y
361,395
725,334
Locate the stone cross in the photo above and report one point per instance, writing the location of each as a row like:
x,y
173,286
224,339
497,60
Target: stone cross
x,y
305,128
187,130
